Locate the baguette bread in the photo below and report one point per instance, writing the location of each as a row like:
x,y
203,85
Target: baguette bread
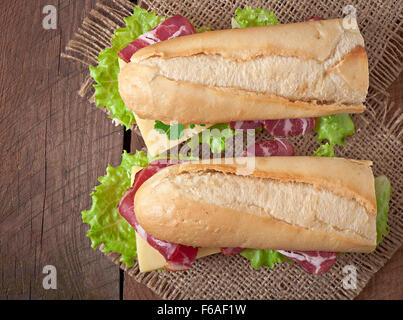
x,y
288,203
307,69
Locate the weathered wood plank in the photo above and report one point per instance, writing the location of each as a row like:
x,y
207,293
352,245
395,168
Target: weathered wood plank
x,y
387,283
54,147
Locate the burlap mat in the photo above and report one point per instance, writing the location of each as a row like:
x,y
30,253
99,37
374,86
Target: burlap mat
x,y
378,137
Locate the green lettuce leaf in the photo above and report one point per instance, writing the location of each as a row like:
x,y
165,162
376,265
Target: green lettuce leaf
x,y
249,17
334,128
107,226
203,29
325,150
106,72
141,21
263,258
215,136
173,132
383,191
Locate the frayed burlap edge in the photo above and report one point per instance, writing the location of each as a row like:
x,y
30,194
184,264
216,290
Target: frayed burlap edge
x,y
385,65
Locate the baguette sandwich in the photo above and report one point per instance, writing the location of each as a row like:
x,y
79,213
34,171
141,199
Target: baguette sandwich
x,y
298,70
175,81
300,207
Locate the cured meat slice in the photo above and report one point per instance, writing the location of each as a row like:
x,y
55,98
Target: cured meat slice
x,y
178,257
270,147
245,125
173,27
289,127
314,262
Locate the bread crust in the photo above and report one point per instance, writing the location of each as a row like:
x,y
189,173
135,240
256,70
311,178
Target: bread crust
x,y
152,95
169,215
319,40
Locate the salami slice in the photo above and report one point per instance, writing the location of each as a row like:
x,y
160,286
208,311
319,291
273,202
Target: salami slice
x,y
289,127
270,147
245,125
314,262
178,257
173,27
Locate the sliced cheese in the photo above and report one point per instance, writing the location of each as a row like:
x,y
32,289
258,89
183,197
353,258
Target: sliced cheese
x,y
157,142
150,259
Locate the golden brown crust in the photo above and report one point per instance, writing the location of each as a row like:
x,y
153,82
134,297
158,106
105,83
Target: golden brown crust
x,y
168,214
177,219
155,97
319,40
354,69
332,75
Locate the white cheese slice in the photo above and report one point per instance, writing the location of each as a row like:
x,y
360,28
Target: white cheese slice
x,y
150,259
157,142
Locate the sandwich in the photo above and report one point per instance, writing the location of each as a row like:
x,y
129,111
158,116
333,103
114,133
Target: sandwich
x,y
168,212
299,207
175,81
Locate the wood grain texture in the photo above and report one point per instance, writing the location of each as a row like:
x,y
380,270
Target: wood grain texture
x,y
388,282
54,146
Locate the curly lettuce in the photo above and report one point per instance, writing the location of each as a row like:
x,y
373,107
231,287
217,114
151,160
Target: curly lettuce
x,y
334,128
263,258
106,72
215,136
325,150
248,17
107,226
383,191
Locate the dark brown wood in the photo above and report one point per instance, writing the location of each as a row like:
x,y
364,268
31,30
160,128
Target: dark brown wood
x,y
54,146
137,291
388,282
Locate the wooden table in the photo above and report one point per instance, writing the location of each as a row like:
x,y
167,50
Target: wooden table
x,y
54,145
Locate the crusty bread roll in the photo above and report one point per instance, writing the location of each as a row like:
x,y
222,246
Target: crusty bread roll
x,y
288,203
295,70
